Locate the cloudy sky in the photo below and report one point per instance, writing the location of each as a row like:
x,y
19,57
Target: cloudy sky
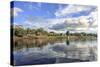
x,y
55,17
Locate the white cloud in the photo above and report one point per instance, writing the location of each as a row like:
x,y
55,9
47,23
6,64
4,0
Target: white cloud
x,y
94,15
81,29
56,21
71,9
83,21
94,23
72,20
15,23
16,11
28,23
76,24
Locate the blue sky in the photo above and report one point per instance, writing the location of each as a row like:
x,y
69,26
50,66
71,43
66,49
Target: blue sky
x,y
55,17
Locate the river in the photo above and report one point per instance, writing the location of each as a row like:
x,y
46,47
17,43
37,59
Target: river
x,y
32,52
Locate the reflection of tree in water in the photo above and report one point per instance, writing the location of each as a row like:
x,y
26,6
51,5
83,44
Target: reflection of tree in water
x,y
26,43
29,43
60,51
40,43
67,42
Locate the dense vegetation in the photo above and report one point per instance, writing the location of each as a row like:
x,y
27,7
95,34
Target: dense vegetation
x,y
41,33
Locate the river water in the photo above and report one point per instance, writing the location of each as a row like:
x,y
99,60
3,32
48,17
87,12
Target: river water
x,y
50,52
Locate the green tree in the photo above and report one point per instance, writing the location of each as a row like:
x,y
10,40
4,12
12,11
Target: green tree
x,y
19,32
67,33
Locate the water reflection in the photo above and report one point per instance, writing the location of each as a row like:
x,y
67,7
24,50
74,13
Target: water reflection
x,y
54,51
67,42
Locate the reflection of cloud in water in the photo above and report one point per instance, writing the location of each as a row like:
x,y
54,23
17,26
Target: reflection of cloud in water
x,y
76,50
45,52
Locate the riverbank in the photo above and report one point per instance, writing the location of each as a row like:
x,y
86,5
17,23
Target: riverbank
x,y
56,37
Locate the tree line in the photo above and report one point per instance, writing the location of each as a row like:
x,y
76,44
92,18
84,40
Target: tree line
x,y
20,32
